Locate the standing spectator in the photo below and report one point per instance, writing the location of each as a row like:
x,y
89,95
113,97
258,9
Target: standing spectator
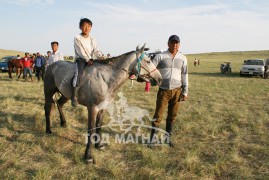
x,y
39,64
16,69
173,68
266,64
27,63
86,50
33,60
55,55
198,62
47,59
195,62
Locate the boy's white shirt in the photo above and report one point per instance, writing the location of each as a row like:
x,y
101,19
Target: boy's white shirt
x,y
86,48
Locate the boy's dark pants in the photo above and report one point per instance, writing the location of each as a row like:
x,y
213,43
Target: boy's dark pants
x,y
81,64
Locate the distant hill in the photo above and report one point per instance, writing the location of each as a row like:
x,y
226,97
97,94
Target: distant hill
x,y
4,52
230,56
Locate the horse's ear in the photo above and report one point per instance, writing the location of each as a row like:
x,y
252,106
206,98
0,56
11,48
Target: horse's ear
x,y
143,47
137,48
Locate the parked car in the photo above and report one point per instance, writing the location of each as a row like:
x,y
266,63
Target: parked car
x,y
3,63
253,67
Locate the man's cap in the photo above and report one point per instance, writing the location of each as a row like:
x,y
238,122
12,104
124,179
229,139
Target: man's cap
x,y
174,38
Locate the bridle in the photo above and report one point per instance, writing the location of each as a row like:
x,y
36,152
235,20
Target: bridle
x,y
138,68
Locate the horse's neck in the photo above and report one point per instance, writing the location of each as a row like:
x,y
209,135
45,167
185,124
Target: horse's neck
x,y
121,70
125,63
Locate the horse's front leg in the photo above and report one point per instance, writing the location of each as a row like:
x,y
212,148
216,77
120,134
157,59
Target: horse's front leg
x,y
92,114
98,138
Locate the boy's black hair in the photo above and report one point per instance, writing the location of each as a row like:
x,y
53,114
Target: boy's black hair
x,y
54,42
84,20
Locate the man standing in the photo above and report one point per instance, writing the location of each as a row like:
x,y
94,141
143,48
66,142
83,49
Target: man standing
x,y
173,67
39,64
55,55
27,63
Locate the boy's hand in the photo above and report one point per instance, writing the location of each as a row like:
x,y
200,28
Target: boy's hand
x,y
90,62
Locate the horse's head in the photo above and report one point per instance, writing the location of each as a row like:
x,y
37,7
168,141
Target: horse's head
x,y
145,69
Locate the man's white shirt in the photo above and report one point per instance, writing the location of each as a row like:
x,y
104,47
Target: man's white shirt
x,y
57,56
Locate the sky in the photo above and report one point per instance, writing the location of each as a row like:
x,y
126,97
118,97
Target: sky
x,y
120,25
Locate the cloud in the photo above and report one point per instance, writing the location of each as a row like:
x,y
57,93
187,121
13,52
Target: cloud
x,y
202,27
119,26
30,2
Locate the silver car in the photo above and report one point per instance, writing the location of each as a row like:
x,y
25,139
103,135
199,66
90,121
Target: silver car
x,y
252,67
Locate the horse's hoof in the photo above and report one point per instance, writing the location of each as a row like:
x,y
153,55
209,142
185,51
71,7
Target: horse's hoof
x,y
63,125
90,160
100,147
48,132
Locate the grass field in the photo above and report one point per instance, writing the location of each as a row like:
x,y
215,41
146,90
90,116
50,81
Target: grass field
x,y
221,131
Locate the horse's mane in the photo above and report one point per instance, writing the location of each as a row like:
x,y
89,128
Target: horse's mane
x,y
113,59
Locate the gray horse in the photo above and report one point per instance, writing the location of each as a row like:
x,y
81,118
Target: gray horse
x,y
99,84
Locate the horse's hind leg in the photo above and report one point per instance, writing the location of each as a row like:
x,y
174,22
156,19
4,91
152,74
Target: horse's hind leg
x,y
47,107
60,104
9,72
19,70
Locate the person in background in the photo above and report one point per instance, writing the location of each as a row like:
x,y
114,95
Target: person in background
x,y
266,64
195,62
33,60
39,66
47,59
27,64
174,88
56,55
86,51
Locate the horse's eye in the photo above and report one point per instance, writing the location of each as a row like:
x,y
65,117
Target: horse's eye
x,y
148,62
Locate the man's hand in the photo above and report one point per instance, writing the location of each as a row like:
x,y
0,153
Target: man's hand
x,y
183,97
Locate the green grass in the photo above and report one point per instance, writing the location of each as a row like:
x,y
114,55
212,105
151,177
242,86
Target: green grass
x,y
221,132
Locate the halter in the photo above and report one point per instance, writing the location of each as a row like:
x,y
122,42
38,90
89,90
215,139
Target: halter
x,y
138,67
138,60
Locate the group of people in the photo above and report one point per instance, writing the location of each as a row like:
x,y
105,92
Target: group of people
x,y
38,63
